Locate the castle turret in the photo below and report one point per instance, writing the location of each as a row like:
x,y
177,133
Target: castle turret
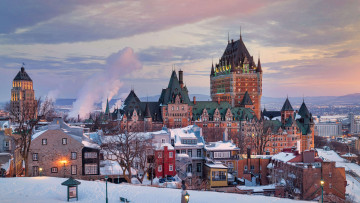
x,y
286,111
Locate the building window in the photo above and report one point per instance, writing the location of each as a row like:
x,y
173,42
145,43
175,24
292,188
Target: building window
x,y
183,151
73,155
170,154
171,167
54,170
35,157
198,167
44,142
91,169
160,168
198,152
245,168
189,169
330,175
73,169
163,140
6,145
90,155
159,155
64,141
252,167
190,152
330,186
172,142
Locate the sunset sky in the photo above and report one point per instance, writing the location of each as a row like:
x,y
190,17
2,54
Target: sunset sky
x,y
309,48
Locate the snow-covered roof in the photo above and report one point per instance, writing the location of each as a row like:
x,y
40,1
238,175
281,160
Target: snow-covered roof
x,y
34,136
221,146
216,165
191,132
349,155
257,188
270,165
283,156
162,145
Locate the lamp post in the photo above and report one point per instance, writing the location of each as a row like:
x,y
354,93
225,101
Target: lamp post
x,y
322,190
64,162
40,169
187,196
106,178
184,194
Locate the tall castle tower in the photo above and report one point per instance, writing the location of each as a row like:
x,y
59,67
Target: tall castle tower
x,y
237,75
23,104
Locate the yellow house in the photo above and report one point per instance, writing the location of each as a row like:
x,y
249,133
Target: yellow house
x,y
216,173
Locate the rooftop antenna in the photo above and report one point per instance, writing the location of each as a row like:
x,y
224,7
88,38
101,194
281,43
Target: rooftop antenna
x,y
240,31
303,98
228,37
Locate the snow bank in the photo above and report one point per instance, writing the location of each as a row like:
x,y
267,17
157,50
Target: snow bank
x,y
46,189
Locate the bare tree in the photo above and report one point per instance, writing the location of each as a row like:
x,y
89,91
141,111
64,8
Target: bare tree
x,y
126,149
26,119
261,137
142,159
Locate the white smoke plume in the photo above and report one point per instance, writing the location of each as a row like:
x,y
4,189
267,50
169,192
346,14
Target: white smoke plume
x,y
105,85
118,104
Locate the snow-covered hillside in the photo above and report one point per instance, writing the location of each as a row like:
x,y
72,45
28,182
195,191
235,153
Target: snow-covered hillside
x,y
46,189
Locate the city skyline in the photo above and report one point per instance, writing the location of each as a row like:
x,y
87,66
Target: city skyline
x,y
70,48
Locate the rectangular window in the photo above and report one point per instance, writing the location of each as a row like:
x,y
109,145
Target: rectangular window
x,y
35,157
64,141
252,167
163,140
73,155
190,152
91,169
159,155
183,151
73,169
90,155
170,154
44,142
160,168
6,145
198,167
54,170
170,167
198,152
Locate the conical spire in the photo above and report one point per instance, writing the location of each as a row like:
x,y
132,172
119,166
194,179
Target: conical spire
x,y
259,66
107,111
246,100
287,106
147,111
212,69
303,111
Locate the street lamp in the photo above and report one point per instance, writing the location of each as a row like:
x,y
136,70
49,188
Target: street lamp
x,y
106,178
322,190
64,162
40,169
187,196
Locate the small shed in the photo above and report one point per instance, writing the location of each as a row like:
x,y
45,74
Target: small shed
x,y
72,188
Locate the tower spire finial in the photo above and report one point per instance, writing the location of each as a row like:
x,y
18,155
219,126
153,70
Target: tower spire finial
x,y
228,37
240,32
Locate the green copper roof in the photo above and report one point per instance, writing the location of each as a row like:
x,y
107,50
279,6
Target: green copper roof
x,y
169,94
22,75
107,107
246,100
71,182
303,111
287,106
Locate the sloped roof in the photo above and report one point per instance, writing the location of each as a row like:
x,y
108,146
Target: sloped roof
x,y
274,125
239,113
22,75
246,100
287,106
71,182
303,111
169,94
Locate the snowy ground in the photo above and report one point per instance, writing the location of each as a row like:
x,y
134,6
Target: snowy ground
x,y
46,189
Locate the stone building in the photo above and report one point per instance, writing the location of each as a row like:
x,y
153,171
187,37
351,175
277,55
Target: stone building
x,y
288,129
236,75
61,151
23,104
301,173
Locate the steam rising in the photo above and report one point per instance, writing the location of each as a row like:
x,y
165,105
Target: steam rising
x,y
105,84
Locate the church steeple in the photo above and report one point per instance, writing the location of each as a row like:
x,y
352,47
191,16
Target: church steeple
x,y
107,111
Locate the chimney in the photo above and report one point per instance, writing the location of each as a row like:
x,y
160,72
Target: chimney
x,y
194,99
232,102
218,100
181,78
225,135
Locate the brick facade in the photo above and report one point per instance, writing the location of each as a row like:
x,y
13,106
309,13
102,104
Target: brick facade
x,y
165,161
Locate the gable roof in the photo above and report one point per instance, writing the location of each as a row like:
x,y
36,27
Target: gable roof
x,y
174,89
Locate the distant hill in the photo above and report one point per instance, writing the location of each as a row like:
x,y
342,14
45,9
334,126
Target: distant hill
x,y
273,102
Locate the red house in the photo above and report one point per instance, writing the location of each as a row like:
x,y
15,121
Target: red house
x,y
165,161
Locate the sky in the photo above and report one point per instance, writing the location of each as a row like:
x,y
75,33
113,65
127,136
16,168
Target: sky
x,y
76,49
